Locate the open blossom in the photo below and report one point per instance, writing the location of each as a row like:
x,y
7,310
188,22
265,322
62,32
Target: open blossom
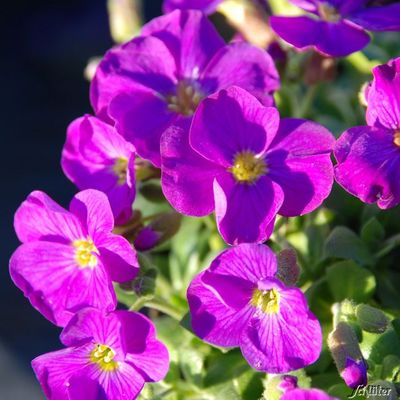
x,y
337,28
245,163
95,156
270,323
368,157
207,6
108,356
355,373
151,82
68,259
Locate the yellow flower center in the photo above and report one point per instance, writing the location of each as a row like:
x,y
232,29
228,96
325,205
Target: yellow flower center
x,y
328,12
85,253
103,356
266,300
186,99
119,169
396,139
247,167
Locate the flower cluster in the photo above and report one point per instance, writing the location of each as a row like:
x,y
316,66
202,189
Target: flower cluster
x,y
202,114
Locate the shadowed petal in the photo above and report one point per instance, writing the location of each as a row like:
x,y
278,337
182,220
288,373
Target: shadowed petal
x,y
214,320
299,161
143,63
84,388
384,96
383,18
243,65
246,212
368,165
191,38
207,6
186,177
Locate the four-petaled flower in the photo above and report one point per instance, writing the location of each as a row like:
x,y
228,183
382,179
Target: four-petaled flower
x,y
151,82
238,301
95,156
243,162
368,157
69,259
336,28
108,356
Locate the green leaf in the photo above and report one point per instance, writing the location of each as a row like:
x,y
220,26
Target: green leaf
x,y
344,243
373,233
347,280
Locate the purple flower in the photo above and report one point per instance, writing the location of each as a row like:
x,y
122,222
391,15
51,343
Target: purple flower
x,y
108,356
207,6
69,259
369,156
151,82
246,164
238,301
307,394
336,27
355,373
95,156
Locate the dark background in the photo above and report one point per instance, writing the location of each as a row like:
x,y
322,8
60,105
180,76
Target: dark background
x,y
45,48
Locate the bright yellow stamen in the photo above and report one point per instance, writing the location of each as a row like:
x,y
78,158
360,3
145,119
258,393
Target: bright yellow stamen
x,y
247,167
85,253
119,168
266,300
103,356
396,140
186,99
328,12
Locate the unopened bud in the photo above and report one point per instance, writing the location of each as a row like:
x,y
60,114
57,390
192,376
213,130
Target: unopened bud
x,y
371,319
288,382
346,353
288,269
355,373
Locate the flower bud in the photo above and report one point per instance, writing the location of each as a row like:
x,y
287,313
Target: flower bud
x,y
355,373
288,269
346,353
288,382
371,319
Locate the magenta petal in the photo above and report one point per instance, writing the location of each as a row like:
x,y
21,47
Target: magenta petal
x,y
383,18
207,6
299,161
48,275
119,256
252,262
144,352
41,218
245,212
383,96
242,65
307,394
335,39
288,340
229,122
212,319
186,177
190,37
123,383
144,62
93,209
84,388
368,165
141,117
54,370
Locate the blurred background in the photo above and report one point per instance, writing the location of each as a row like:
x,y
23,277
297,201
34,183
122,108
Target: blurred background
x,y
46,45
